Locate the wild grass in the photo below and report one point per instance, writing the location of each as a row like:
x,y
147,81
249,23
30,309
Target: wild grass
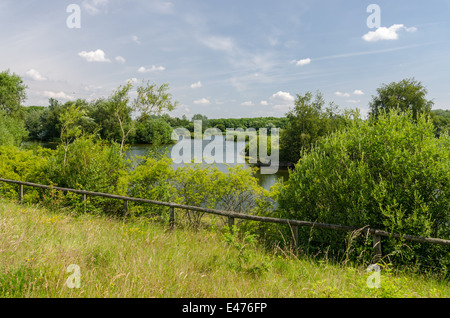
x,y
143,258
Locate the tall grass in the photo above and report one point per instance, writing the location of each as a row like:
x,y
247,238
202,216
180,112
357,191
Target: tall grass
x,y
142,258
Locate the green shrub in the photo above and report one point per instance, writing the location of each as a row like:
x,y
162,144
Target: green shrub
x,y
391,174
22,165
90,165
153,131
196,185
12,130
151,180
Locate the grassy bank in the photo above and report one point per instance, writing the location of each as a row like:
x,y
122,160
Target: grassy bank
x,y
141,258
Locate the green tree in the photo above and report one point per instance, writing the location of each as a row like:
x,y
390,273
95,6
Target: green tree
x,y
122,111
33,122
150,99
441,121
12,93
12,130
390,174
308,121
89,164
154,131
204,119
408,94
70,130
103,114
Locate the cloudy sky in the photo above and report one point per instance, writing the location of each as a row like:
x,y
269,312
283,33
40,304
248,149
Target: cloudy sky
x,y
231,58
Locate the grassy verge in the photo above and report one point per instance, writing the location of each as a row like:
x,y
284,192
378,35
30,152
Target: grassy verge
x,y
140,258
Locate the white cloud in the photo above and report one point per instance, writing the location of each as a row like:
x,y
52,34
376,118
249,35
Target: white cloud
x,y
153,68
136,39
249,103
358,92
283,96
219,43
94,56
94,6
353,101
120,59
163,7
35,75
264,103
282,108
59,95
384,33
196,85
302,62
283,101
342,94
202,101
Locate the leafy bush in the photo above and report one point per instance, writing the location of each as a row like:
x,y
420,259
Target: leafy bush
x,y
12,130
391,174
151,180
196,185
90,165
22,165
153,131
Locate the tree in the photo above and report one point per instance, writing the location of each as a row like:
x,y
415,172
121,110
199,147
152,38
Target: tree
x,y
12,92
204,119
408,94
12,130
307,122
70,130
119,102
441,121
102,112
389,173
154,131
150,100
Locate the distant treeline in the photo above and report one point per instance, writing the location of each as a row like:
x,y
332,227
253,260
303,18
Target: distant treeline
x,y
145,120
43,123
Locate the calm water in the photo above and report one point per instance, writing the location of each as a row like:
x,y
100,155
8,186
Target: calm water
x,y
231,151
231,156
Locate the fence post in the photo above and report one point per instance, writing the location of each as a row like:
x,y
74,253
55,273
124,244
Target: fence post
x,y
20,193
125,208
377,247
231,223
295,235
172,218
84,201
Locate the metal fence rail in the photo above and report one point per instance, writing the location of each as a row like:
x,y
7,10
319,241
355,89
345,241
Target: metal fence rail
x,y
293,224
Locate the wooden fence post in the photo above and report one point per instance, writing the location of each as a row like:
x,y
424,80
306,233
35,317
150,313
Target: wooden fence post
x,y
172,218
84,201
377,247
20,193
125,208
231,223
295,235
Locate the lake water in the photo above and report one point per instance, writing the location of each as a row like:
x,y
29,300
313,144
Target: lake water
x,y
231,151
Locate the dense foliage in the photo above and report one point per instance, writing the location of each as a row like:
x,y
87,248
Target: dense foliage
x,y
12,130
307,122
390,174
12,92
406,95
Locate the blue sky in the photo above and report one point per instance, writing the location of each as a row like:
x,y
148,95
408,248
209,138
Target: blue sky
x,y
234,59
